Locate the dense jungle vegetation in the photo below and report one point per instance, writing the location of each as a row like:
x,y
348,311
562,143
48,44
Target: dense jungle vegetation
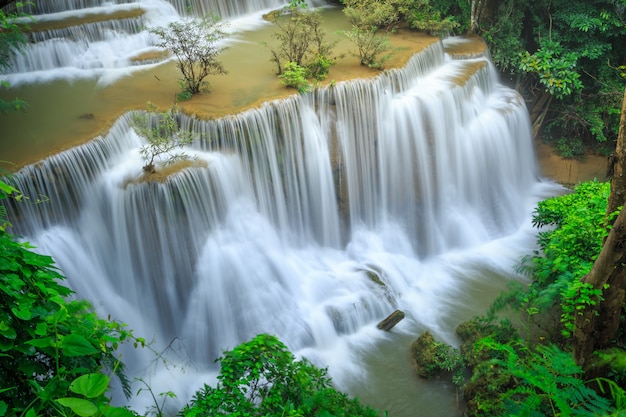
x,y
560,350
563,56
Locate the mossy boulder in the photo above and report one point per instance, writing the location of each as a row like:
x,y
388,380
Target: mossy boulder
x,y
433,358
473,330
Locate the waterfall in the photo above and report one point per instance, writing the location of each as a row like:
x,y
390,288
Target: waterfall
x,y
87,38
311,218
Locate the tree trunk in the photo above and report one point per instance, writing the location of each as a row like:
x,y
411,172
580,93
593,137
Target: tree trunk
x,y
538,112
476,9
391,320
595,328
618,180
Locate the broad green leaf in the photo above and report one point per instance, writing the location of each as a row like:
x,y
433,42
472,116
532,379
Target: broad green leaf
x,y
40,343
117,412
83,408
41,329
22,313
7,331
31,413
77,345
90,385
6,188
3,408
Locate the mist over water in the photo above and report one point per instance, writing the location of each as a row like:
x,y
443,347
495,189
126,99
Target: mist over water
x,y
415,177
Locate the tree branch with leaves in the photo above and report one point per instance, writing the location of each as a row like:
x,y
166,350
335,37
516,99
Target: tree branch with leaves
x,y
163,135
196,44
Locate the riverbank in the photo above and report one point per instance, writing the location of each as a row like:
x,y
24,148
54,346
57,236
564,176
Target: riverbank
x,y
569,172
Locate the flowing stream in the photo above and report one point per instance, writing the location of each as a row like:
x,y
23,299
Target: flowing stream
x,y
423,178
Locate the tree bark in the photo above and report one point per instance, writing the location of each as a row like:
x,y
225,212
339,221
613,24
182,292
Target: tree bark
x,y
618,180
476,9
538,112
595,328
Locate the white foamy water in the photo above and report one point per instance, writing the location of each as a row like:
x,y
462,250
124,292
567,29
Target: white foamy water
x,y
290,211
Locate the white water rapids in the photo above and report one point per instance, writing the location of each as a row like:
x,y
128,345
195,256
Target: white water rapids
x,y
426,182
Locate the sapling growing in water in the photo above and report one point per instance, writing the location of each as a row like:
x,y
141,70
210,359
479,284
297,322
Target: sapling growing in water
x,y
196,43
163,135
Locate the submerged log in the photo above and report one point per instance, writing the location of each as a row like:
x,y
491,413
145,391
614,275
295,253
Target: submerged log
x,y
391,320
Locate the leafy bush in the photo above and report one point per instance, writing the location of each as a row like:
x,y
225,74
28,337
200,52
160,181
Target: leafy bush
x,y
373,50
571,237
295,76
302,40
163,136
50,344
422,16
262,378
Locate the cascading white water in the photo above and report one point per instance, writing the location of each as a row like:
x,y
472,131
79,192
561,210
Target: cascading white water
x,y
423,178
113,46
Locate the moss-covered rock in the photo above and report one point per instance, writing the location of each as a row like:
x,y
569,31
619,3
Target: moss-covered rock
x,y
473,330
433,358
482,393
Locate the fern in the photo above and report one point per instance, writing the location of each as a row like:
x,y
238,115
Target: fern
x,y
547,382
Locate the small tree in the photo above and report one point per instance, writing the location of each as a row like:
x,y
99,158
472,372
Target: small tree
x,y
372,49
163,136
302,41
195,43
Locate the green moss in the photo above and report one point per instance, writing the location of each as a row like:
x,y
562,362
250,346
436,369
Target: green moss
x,y
433,358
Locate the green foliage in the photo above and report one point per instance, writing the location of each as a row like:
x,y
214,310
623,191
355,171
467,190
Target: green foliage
x,y
576,298
157,406
183,94
12,41
554,67
301,40
195,43
295,76
262,378
569,147
546,383
163,136
295,4
576,237
7,191
373,50
368,14
616,393
433,358
389,14
571,50
319,67
420,15
573,226
483,391
49,343
91,400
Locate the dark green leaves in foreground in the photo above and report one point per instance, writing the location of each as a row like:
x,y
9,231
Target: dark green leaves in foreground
x,y
53,349
262,378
